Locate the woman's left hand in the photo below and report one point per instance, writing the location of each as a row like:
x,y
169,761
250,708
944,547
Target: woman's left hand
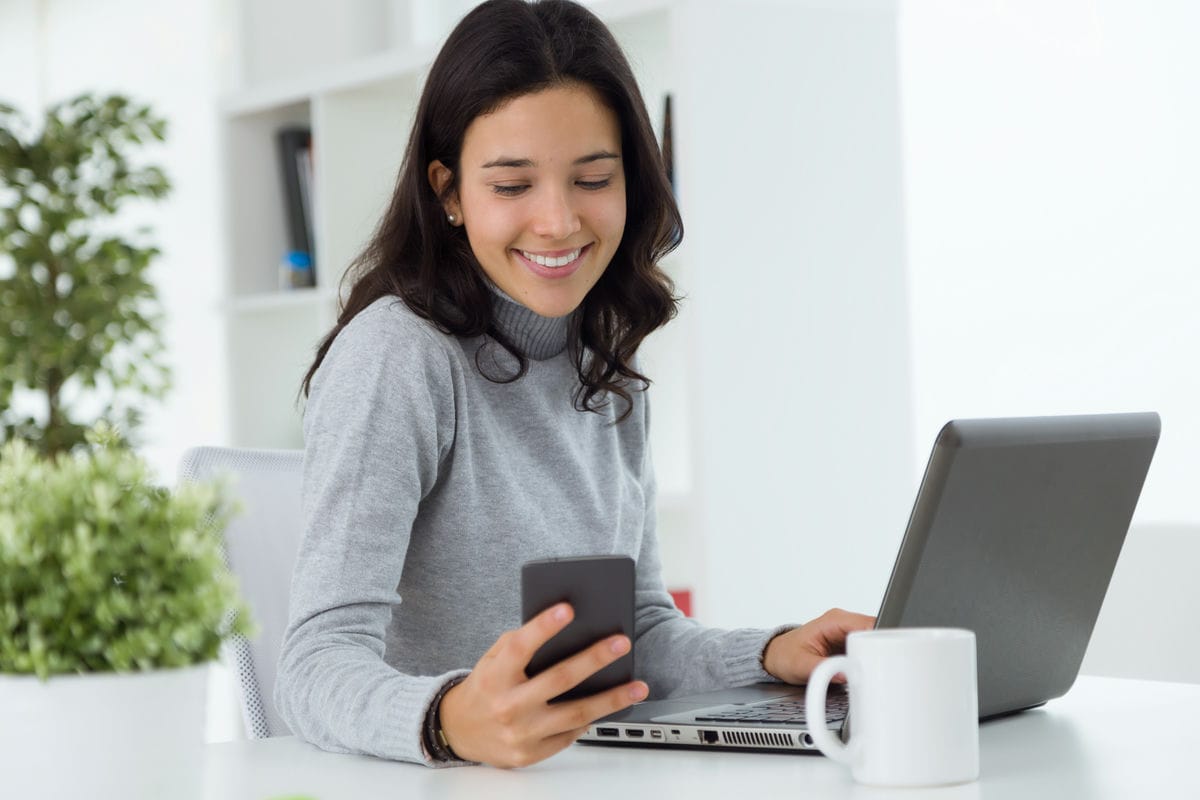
x,y
792,656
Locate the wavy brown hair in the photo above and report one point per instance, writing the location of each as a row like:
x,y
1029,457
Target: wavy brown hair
x,y
499,51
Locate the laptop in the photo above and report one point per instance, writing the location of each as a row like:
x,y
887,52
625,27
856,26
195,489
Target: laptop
x,y
1014,535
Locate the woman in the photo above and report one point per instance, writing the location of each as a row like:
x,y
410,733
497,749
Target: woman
x,y
478,405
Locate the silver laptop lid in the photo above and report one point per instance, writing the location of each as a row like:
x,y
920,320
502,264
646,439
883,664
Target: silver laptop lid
x,y
1014,535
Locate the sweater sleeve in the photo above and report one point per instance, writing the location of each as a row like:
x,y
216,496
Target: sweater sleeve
x,y
673,653
379,420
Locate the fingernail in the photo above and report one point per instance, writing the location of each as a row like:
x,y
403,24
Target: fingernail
x,y
639,692
619,645
562,612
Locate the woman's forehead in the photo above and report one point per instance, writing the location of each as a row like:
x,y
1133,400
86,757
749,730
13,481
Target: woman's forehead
x,y
559,125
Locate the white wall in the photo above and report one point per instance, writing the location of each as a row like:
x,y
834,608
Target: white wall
x,y
1053,201
162,54
788,150
1144,629
1046,261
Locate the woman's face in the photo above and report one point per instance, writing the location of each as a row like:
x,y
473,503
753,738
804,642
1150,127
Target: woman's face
x,y
541,192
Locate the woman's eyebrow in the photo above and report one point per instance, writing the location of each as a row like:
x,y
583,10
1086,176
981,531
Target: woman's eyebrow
x,y
508,161
599,155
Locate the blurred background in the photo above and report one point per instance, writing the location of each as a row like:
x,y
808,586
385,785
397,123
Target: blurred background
x,y
897,212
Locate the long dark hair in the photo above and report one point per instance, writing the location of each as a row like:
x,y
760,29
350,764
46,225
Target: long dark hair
x,y
501,50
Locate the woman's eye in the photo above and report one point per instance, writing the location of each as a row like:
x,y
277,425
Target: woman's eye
x,y
594,185
508,191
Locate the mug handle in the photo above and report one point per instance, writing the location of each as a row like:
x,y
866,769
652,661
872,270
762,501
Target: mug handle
x,y
814,709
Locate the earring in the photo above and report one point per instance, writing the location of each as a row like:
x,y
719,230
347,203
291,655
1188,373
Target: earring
x,y
451,218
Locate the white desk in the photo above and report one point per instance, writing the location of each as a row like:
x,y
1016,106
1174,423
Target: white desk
x,y
1106,738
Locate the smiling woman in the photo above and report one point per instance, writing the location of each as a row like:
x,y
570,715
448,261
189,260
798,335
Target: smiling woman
x,y
513,276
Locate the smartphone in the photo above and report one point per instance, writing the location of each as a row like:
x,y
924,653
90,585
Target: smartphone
x,y
600,589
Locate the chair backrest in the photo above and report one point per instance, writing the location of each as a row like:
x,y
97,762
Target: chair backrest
x,y
260,545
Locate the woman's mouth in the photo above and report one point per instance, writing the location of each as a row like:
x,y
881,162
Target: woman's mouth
x,y
555,264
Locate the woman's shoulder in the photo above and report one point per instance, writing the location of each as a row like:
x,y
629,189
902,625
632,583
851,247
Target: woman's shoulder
x,y
386,363
390,317
388,336
389,327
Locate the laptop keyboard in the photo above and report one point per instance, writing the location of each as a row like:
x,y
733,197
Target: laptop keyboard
x,y
780,711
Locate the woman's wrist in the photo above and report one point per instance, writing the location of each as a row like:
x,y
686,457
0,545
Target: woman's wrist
x,y
435,738
764,659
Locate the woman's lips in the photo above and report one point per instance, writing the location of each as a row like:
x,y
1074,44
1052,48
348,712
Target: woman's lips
x,y
564,271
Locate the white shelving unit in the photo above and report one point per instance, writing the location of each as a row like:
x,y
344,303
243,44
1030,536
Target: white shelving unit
x,y
770,101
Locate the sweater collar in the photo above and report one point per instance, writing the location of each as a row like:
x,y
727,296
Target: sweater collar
x,y
540,338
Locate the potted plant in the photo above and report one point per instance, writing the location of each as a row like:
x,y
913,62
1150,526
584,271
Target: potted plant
x,y
79,319
114,598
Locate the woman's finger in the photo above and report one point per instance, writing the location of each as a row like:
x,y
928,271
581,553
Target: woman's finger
x,y
572,671
575,714
514,649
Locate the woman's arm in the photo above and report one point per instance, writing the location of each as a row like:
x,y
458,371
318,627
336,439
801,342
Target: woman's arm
x,y
376,429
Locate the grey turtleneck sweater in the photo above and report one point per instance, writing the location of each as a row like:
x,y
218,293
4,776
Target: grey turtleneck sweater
x,y
426,487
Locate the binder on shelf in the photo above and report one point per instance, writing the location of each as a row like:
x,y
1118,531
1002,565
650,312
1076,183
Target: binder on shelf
x,y
668,144
296,167
668,156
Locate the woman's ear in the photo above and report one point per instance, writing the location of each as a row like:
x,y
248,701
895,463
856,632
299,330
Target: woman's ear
x,y
440,177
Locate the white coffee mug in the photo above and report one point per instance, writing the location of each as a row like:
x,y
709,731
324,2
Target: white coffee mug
x,y
914,708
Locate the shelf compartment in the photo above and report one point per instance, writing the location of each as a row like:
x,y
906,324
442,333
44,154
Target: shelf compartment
x,y
255,202
363,134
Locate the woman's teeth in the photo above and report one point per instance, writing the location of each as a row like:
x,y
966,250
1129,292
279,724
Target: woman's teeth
x,y
561,261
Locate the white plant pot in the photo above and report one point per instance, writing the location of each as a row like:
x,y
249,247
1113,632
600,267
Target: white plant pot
x,y
104,735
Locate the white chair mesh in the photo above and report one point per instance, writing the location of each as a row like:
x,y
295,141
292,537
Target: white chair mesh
x,y
260,548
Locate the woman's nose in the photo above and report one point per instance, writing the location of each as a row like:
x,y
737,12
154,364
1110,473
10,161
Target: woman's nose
x,y
555,216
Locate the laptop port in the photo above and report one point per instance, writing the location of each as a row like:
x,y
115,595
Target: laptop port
x,y
634,733
708,737
608,732
806,739
656,734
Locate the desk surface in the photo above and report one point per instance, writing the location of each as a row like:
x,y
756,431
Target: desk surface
x,y
1107,738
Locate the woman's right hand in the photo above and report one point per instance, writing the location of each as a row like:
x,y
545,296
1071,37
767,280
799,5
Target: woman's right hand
x,y
498,716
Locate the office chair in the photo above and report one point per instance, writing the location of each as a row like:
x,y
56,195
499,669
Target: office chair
x,y
260,546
